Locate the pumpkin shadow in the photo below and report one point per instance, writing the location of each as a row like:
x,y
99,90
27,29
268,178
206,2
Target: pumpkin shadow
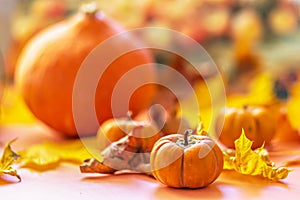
x,y
212,191
237,178
250,186
230,184
8,180
118,178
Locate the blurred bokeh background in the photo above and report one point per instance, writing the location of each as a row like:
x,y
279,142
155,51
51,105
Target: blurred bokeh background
x,y
254,43
241,26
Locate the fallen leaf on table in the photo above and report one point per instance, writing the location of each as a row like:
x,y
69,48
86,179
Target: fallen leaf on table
x,y
126,154
49,154
246,161
9,157
293,162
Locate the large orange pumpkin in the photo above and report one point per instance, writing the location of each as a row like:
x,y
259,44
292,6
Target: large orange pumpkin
x,y
48,66
257,121
183,161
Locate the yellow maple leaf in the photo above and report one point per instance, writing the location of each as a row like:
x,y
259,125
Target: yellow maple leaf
x,y
206,105
9,157
293,106
48,155
246,161
260,92
13,109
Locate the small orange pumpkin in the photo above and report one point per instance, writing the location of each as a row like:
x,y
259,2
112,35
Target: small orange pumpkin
x,y
144,137
284,130
258,123
114,129
186,161
49,63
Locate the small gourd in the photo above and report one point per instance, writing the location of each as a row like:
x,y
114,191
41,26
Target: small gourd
x,y
186,161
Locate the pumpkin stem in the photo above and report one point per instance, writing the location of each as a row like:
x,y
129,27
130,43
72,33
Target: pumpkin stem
x,y
186,134
89,7
245,107
129,115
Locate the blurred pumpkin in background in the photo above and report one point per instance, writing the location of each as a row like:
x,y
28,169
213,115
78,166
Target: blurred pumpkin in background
x,y
258,123
49,63
112,130
284,130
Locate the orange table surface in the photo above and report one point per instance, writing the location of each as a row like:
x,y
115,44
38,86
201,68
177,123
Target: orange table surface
x,y
66,181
